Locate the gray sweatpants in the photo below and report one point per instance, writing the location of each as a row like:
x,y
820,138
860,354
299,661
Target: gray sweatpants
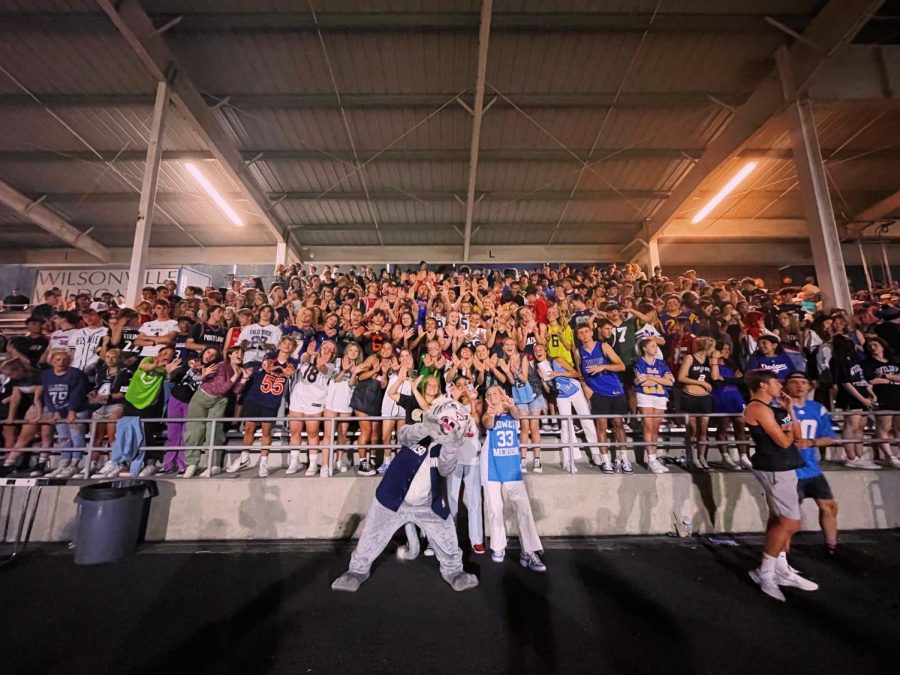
x,y
381,523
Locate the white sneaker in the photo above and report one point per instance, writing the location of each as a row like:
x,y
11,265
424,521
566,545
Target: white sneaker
x,y
624,466
325,472
729,462
58,470
656,466
312,469
294,465
607,467
746,463
895,462
860,463
190,471
498,556
767,584
109,470
789,577
524,466
68,472
149,470
215,471
703,464
536,465
242,462
263,467
344,466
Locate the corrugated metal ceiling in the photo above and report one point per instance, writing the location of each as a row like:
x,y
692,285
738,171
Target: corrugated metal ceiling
x,y
417,200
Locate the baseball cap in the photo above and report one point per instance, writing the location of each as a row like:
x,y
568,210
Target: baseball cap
x,y
771,338
99,306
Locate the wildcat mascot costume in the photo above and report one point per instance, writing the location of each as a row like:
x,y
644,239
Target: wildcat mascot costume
x,y
413,490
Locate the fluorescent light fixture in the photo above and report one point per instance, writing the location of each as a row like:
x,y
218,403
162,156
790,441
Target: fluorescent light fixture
x,y
214,194
736,180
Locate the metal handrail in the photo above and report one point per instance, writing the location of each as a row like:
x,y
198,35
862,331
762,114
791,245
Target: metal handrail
x,y
211,447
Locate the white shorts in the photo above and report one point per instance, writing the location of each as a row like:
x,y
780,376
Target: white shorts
x,y
339,394
650,401
302,404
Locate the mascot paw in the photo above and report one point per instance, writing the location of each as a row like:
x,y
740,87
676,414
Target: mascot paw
x,y
348,582
463,581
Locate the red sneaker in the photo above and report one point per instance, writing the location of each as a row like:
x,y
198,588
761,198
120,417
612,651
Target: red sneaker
x,y
478,548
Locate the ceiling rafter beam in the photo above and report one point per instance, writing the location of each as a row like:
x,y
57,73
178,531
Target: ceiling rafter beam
x,y
203,22
484,37
132,21
351,100
428,197
35,212
421,155
836,24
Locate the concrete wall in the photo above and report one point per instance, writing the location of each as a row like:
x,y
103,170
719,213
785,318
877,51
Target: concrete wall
x,y
564,505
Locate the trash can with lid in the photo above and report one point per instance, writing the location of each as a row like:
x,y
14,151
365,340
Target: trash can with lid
x,y
112,517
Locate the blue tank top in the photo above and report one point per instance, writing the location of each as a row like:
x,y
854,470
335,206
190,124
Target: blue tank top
x,y
502,448
606,383
566,386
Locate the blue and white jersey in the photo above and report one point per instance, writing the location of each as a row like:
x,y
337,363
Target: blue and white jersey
x,y
566,386
501,451
814,423
658,368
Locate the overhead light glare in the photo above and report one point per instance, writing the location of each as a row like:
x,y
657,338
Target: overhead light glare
x,y
214,194
736,180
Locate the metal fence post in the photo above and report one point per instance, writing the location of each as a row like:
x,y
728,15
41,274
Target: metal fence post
x,y
210,443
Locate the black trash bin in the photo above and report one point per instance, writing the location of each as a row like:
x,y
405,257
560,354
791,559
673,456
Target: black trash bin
x,y
112,519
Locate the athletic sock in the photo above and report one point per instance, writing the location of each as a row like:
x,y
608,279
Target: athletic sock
x,y
781,563
767,566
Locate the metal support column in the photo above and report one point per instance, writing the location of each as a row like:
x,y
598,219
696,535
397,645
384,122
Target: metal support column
x,y
865,263
652,256
828,259
281,250
136,270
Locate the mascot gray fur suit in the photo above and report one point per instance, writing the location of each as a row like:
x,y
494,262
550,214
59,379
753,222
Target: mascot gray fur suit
x,y
413,490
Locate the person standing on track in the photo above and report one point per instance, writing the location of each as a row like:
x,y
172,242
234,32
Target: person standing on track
x,y
811,482
776,435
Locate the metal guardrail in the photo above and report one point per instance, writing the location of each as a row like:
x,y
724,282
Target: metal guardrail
x,y
211,447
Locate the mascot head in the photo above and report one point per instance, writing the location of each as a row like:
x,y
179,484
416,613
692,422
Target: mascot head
x,y
447,421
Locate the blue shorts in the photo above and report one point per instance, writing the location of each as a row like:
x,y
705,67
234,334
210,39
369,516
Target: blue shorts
x,y
729,402
539,403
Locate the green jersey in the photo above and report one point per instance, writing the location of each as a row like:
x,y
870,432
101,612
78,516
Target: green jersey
x,y
145,386
624,340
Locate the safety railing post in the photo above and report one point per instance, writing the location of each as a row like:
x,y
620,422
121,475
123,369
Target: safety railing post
x,y
89,447
210,444
331,435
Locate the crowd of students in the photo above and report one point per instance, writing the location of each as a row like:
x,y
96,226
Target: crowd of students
x,y
331,349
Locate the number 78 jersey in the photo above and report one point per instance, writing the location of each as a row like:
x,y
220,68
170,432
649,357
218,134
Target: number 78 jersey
x,y
501,451
269,382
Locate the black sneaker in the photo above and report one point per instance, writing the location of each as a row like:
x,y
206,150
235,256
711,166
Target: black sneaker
x,y
366,468
38,470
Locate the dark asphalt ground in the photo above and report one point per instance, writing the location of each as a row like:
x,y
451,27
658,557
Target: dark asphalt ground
x,y
624,605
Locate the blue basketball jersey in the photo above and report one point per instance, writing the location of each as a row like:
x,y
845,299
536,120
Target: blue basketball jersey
x,y
502,449
606,383
814,423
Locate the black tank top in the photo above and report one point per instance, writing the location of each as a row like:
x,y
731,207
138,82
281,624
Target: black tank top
x,y
700,371
769,455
